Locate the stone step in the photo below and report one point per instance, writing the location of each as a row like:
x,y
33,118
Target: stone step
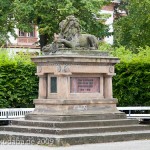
x,y
68,124
104,137
105,116
65,140
67,131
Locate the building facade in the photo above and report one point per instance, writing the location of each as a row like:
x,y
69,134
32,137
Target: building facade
x,y
24,39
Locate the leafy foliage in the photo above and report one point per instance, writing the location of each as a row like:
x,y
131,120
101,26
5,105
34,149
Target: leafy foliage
x,y
131,85
132,31
18,84
48,13
103,46
7,21
125,55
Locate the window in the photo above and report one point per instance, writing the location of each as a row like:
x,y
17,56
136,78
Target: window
x,y
21,33
31,34
27,34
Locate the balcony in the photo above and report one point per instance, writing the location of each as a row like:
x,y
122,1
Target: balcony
x,y
27,41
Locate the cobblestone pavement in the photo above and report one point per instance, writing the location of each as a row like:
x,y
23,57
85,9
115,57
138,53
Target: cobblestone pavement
x,y
131,145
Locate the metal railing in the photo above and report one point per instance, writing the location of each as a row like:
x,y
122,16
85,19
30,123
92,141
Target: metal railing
x,y
136,112
14,113
132,112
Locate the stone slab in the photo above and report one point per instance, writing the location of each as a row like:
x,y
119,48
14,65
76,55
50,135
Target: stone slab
x,y
67,140
47,117
79,130
72,124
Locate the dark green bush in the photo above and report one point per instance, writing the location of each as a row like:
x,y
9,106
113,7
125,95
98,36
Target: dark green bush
x,y
18,83
131,85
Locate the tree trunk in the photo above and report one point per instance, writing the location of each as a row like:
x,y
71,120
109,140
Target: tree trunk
x,y
43,40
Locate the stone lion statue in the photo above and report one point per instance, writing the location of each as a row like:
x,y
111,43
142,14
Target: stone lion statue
x,y
70,37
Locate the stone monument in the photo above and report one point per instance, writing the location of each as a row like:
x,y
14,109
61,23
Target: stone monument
x,y
75,78
75,104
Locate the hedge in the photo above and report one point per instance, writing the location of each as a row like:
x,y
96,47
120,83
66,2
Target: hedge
x,y
131,85
18,83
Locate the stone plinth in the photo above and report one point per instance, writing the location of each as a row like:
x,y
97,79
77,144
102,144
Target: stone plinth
x,y
73,84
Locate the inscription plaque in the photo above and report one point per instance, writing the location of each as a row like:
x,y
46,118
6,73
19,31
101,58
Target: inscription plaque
x,y
84,84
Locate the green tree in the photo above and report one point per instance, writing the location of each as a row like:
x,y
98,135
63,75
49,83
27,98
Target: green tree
x,y
132,31
7,22
48,13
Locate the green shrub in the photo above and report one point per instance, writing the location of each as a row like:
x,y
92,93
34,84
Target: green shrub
x,y
18,83
103,46
131,85
128,56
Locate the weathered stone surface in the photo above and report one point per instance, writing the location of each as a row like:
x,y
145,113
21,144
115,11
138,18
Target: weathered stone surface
x,y
62,133
70,37
69,98
47,117
81,52
73,124
75,130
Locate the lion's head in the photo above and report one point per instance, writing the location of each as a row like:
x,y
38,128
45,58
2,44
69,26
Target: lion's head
x,y
69,27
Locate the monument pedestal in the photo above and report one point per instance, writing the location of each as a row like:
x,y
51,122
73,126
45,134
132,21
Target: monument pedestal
x,y
75,85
